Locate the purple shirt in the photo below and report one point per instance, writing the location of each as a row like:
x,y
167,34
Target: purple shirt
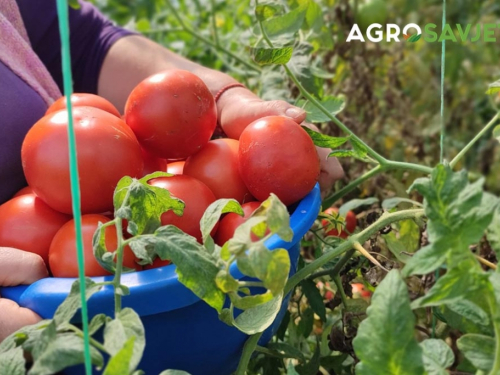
x,y
91,36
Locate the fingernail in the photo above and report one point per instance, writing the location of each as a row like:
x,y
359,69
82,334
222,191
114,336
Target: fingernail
x,y
294,112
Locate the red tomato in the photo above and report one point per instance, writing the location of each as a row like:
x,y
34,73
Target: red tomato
x,y
216,165
84,100
27,223
24,190
173,114
107,151
196,196
231,221
350,223
176,167
63,257
152,163
277,156
157,263
359,290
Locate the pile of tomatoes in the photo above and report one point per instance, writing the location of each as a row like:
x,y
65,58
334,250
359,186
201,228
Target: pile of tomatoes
x,y
168,125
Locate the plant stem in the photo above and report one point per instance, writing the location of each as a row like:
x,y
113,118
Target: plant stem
x,y
119,266
208,41
486,262
248,350
487,127
336,269
92,341
251,283
271,353
351,186
496,328
367,255
385,220
340,289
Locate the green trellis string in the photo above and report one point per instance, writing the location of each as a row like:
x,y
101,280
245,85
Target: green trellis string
x,y
441,157
62,13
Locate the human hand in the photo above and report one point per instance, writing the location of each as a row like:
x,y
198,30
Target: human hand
x,y
18,267
238,107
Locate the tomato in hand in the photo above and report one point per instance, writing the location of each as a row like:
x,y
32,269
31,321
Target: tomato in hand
x,y
216,165
27,223
350,223
23,191
196,196
277,156
152,163
176,167
84,100
231,221
173,114
63,257
107,151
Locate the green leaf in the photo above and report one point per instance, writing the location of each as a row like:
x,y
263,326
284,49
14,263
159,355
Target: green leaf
x,y
272,56
272,267
96,323
438,356
245,303
117,334
300,65
356,203
67,310
226,282
458,212
277,217
283,27
390,321
12,362
306,322
478,349
259,318
496,133
390,203
344,154
414,38
197,269
290,370
120,362
493,233
469,310
213,213
60,351
407,240
142,204
333,104
323,140
312,366
101,253
359,148
456,284
74,4
314,297
265,11
174,372
287,350
493,88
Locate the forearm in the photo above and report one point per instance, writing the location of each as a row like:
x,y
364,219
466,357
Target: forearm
x,y
134,58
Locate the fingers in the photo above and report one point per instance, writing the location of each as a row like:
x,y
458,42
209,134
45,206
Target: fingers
x,y
331,170
14,317
20,267
236,116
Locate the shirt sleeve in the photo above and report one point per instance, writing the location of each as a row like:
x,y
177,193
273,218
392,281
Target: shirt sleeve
x,y
91,36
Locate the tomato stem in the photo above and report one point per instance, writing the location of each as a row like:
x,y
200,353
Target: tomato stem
x,y
208,41
119,265
340,289
385,220
248,350
92,341
336,269
487,127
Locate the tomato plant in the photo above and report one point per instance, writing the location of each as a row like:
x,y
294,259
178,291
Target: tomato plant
x,y
46,165
216,165
28,224
347,224
277,156
84,100
196,196
63,255
173,114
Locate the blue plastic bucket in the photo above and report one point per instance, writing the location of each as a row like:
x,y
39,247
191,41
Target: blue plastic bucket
x,y
182,331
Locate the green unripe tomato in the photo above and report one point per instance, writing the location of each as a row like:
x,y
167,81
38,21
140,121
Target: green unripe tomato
x,y
371,11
